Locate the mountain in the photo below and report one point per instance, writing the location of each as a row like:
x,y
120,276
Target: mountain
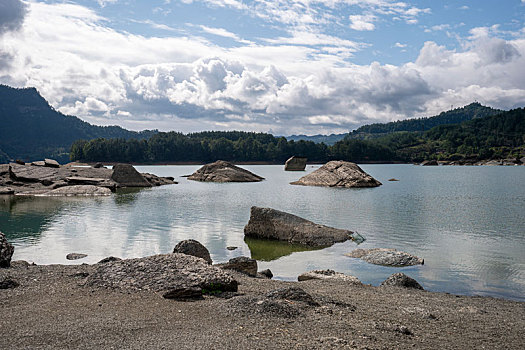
x,y
456,116
326,139
32,130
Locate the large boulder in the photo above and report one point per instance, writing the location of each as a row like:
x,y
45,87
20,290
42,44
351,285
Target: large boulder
x,y
6,251
77,190
401,280
295,164
161,273
268,223
338,174
193,247
328,275
127,176
386,257
222,171
51,163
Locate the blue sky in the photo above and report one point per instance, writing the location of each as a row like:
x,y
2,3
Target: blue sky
x,y
302,66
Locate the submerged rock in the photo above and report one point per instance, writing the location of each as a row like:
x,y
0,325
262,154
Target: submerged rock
x,y
295,164
109,259
6,251
222,171
386,257
269,223
338,174
401,280
77,190
328,275
193,247
127,176
161,273
75,256
241,264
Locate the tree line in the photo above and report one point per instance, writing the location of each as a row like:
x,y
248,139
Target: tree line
x,y
498,136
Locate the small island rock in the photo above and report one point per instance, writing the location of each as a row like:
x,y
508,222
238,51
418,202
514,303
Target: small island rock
x,y
193,247
127,176
6,251
75,256
386,257
338,174
222,171
268,223
295,164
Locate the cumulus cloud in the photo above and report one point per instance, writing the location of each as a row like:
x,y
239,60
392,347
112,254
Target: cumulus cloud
x,y
295,84
12,13
362,22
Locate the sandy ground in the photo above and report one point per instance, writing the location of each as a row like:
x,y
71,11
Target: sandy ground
x,y
52,310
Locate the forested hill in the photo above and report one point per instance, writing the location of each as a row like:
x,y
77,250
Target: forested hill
x,y
456,116
30,129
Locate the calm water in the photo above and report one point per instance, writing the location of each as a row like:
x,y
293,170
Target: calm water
x,y
466,222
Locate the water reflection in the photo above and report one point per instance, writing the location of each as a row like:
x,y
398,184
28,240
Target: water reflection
x,y
268,250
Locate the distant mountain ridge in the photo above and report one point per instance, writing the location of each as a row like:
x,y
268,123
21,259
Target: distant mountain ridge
x,y
326,139
456,116
31,129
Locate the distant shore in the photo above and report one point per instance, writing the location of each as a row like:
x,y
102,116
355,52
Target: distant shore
x,y
51,309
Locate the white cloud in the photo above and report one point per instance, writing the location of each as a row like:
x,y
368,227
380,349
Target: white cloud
x,y
402,46
362,22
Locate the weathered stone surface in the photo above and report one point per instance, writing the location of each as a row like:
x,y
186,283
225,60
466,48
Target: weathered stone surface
x,y
6,190
193,247
157,180
161,273
269,223
127,176
222,171
75,256
51,163
109,259
401,280
6,251
295,164
81,180
77,190
266,273
7,282
4,169
338,174
184,293
328,275
241,264
386,257
430,163
38,163
31,173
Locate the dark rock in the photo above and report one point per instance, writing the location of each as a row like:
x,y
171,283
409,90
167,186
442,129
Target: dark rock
x,y
295,164
266,273
75,256
328,275
393,179
222,171
231,248
430,163
8,283
157,180
6,190
109,259
21,162
338,174
161,273
193,247
269,223
6,251
127,176
386,257
51,163
80,275
294,294
98,165
184,293
241,264
47,182
401,280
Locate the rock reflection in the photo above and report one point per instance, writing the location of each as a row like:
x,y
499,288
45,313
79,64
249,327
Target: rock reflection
x,y
268,250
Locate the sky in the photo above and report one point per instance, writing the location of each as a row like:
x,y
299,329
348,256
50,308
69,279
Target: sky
x,y
284,67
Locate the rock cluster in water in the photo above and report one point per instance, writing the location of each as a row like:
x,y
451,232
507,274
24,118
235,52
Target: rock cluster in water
x,y
268,223
221,171
338,174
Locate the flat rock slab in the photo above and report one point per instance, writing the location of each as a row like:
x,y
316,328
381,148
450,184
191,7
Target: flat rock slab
x,y
222,171
161,273
77,190
268,223
386,257
338,174
328,275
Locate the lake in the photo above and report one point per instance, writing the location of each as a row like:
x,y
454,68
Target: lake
x,y
466,222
